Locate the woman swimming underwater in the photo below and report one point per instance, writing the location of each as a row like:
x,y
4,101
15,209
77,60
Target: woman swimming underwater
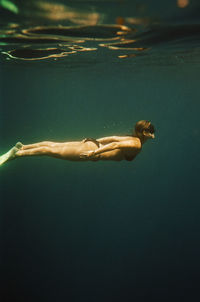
x,y
115,148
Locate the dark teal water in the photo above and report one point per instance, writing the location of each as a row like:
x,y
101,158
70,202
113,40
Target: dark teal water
x,y
103,231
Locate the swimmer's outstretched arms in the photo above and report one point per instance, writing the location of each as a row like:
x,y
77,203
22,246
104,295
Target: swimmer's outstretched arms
x,y
115,148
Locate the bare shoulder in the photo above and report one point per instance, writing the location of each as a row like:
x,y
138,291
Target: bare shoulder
x,y
135,142
130,143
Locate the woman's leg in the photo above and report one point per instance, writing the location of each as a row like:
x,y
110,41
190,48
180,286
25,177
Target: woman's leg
x,y
17,151
35,151
37,145
67,151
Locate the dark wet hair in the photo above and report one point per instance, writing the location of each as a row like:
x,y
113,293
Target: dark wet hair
x,y
144,125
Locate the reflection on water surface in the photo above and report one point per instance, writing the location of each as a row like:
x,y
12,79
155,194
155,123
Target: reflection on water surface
x,y
126,35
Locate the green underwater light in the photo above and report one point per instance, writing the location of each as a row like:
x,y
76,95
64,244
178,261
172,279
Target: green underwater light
x,y
9,5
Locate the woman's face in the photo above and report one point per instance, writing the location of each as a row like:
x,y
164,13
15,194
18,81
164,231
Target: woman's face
x,y
148,134
149,131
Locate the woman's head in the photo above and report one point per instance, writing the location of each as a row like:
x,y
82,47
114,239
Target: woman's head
x,y
144,128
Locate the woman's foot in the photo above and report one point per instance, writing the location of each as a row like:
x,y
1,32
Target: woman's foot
x,y
19,145
11,154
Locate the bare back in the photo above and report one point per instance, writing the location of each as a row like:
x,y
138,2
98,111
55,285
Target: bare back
x,y
126,153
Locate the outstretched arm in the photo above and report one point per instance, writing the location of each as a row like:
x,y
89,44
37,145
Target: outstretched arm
x,y
127,144
115,145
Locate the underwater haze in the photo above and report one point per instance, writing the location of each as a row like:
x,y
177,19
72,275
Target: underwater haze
x,y
100,231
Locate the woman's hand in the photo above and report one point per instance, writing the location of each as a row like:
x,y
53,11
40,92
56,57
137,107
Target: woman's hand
x,y
84,140
87,154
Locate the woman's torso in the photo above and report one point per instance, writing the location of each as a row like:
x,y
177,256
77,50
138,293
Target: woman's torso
x,y
76,148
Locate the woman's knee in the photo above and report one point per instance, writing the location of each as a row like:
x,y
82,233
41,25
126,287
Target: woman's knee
x,y
51,151
46,150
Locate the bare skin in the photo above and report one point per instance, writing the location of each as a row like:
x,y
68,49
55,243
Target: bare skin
x,y
115,148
